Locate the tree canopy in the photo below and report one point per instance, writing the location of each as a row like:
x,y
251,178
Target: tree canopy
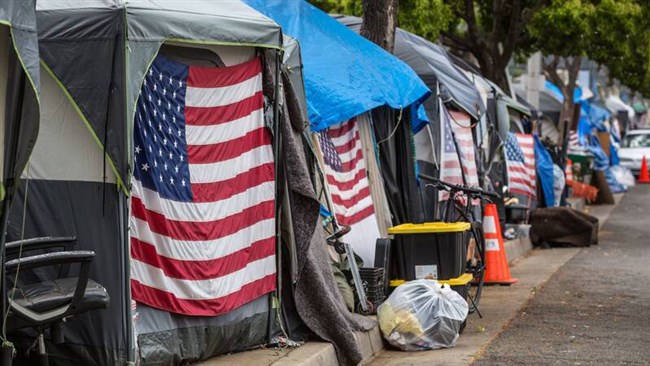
x,y
614,33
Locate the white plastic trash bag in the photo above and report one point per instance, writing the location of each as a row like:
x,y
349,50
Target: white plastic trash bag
x,y
421,315
623,175
559,181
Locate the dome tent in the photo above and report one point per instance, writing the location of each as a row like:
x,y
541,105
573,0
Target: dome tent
x,y
80,171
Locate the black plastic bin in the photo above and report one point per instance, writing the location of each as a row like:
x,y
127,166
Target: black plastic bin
x,y
433,250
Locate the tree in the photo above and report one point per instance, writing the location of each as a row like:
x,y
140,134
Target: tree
x,y
345,7
571,30
623,42
564,31
379,22
491,31
426,18
611,32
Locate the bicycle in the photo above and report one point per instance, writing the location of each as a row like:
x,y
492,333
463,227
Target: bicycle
x,y
476,265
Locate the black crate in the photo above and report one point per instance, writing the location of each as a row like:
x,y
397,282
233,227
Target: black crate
x,y
373,284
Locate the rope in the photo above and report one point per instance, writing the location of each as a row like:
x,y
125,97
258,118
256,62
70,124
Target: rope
x,y
390,136
20,254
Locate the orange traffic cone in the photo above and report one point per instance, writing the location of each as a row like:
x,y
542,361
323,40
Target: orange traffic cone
x,y
643,175
496,263
568,171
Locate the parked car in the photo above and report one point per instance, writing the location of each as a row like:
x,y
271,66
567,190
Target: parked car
x,y
635,145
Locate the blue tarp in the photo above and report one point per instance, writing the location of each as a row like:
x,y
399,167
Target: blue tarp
x,y
557,93
602,163
345,74
544,167
595,114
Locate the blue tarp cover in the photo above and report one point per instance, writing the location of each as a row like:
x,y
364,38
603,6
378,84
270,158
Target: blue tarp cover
x,y
596,115
544,167
557,93
345,74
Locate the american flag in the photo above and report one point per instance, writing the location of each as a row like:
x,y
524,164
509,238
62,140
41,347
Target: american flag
x,y
520,159
452,159
203,212
350,190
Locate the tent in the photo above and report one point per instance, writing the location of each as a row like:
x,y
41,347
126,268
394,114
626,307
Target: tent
x,y
550,104
615,105
432,63
79,176
20,83
19,106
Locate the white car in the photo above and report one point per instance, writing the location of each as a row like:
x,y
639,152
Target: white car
x,y
635,145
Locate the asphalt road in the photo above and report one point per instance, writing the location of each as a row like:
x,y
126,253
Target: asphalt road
x,y
596,309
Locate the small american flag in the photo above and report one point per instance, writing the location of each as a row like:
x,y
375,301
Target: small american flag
x,y
574,141
452,159
330,155
520,159
350,190
203,210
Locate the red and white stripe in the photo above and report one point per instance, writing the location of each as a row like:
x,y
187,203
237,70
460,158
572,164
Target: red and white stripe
x,y
350,190
216,253
523,179
460,123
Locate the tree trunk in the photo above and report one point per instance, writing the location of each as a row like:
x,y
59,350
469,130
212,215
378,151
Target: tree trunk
x,y
379,22
568,106
573,68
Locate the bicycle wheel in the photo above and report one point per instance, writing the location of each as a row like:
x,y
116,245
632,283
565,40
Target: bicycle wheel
x,y
476,266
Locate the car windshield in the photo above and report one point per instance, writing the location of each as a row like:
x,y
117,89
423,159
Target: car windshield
x,y
640,140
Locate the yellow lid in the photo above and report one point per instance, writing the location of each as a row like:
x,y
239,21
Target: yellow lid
x,y
430,228
458,281
464,279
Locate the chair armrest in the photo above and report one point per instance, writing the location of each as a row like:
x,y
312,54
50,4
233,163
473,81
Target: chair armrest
x,y
83,257
65,242
50,259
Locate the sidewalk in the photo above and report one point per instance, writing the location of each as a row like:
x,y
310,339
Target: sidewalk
x,y
499,305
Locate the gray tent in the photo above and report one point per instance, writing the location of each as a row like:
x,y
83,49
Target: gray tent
x,y
433,65
95,54
19,105
20,84
549,105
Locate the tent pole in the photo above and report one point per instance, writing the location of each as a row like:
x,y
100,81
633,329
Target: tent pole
x,y
123,203
15,95
277,142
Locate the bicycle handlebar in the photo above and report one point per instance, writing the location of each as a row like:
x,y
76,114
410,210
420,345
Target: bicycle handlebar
x,y
458,188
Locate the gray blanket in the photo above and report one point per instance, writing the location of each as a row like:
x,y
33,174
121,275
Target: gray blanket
x,y
318,301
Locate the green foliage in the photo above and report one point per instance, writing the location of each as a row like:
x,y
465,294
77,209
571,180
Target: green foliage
x,y
623,42
563,28
345,7
426,18
614,33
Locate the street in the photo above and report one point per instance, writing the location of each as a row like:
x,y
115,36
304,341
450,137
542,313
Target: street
x,y
595,309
